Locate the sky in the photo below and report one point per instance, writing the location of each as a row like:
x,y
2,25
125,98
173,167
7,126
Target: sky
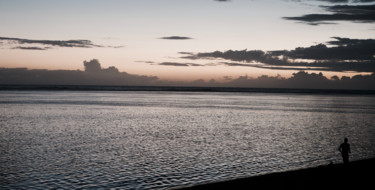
x,y
196,42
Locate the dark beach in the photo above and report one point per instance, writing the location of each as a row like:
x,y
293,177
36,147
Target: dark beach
x,y
355,175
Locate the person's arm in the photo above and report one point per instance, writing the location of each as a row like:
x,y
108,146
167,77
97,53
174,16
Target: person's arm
x,y
340,147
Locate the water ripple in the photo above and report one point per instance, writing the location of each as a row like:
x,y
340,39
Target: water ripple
x,y
63,140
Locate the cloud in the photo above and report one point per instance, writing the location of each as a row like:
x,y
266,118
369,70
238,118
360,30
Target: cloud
x,y
60,43
149,62
348,1
92,66
49,43
180,64
93,74
31,48
245,58
176,38
222,0
343,49
340,54
186,53
353,13
115,47
335,1
305,80
241,55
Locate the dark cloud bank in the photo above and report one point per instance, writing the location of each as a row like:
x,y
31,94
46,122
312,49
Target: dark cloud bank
x,y
338,55
94,74
353,13
349,1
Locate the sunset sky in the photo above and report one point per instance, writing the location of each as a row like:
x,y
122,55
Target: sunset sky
x,y
187,40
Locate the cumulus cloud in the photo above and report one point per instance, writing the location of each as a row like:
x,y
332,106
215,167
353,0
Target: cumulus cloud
x,y
353,13
93,74
48,44
176,38
340,54
92,66
299,80
306,80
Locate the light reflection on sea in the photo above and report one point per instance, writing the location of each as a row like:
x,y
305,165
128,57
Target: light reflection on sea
x,y
148,140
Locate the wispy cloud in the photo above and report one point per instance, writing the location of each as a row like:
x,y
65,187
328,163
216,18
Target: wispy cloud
x,y
31,48
48,44
60,43
179,64
176,38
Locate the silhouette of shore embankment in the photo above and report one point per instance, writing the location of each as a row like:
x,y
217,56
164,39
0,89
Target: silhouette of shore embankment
x,y
355,175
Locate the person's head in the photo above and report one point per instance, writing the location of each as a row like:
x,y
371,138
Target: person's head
x,y
346,140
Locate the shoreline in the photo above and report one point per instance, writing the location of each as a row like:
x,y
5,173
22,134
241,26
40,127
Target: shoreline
x,y
357,175
5,87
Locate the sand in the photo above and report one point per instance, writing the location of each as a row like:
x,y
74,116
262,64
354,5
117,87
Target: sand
x,y
355,175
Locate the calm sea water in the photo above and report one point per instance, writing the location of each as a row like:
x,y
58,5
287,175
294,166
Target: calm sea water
x,y
158,140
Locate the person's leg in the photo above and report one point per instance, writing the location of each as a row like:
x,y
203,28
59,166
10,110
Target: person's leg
x,y
346,159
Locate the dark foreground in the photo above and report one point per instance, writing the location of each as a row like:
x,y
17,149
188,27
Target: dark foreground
x,y
355,175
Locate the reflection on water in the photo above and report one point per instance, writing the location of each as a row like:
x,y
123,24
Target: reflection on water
x,y
147,140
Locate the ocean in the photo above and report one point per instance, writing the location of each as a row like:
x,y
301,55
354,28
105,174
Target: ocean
x,y
167,139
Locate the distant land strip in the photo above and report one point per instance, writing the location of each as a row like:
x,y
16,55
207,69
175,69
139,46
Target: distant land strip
x,y
180,89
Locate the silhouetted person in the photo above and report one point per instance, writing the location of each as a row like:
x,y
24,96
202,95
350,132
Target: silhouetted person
x,y
345,150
